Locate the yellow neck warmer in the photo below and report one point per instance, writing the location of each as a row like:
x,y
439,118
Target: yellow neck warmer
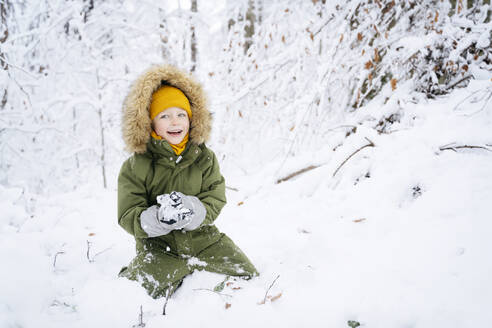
x,y
178,149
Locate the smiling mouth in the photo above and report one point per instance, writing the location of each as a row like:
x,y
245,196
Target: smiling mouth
x,y
175,133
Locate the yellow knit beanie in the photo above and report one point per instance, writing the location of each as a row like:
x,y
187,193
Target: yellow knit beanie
x,y
167,97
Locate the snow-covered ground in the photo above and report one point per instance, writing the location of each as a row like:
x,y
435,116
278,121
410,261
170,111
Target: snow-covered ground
x,y
398,237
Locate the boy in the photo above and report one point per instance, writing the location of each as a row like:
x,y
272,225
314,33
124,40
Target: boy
x,y
170,190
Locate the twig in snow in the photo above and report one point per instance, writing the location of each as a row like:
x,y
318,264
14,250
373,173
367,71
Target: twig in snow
x,y
168,295
140,319
71,307
455,84
99,253
323,26
352,127
453,148
233,189
95,255
465,99
487,94
88,251
370,144
57,253
292,175
213,291
21,89
484,104
266,294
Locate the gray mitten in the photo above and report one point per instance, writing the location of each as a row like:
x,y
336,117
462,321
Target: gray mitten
x,y
197,209
150,222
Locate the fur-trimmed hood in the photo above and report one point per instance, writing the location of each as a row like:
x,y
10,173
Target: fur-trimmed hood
x,y
136,120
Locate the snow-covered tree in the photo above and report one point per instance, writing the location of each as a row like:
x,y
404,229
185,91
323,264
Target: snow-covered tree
x,y
289,71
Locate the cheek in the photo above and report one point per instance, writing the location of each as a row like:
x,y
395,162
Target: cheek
x,y
186,124
160,126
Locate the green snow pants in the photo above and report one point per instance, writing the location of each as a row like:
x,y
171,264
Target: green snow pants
x,y
161,271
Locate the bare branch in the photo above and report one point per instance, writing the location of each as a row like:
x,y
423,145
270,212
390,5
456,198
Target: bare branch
x,y
292,175
4,61
21,89
455,84
33,130
88,252
370,144
324,25
97,254
486,93
266,294
489,96
453,148
56,255
168,295
253,87
213,291
140,319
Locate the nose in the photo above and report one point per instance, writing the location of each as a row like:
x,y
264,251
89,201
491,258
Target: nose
x,y
174,119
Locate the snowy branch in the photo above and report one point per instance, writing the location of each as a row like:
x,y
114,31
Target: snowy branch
x,y
91,260
292,175
56,255
140,319
18,67
213,291
370,144
266,294
454,148
461,80
323,26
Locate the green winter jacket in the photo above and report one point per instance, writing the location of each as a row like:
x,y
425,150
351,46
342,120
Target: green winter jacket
x,y
159,171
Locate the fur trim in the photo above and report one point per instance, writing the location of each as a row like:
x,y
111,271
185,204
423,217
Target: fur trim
x,y
136,121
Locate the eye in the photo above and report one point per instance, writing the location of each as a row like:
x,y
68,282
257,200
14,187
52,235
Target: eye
x,y
182,115
164,116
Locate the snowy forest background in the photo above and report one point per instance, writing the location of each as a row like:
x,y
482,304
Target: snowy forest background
x,y
287,71
298,90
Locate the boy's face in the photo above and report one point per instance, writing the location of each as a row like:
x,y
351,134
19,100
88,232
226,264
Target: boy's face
x,y
172,124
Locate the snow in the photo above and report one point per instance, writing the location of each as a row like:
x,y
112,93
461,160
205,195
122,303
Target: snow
x,y
484,39
399,237
193,261
388,224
